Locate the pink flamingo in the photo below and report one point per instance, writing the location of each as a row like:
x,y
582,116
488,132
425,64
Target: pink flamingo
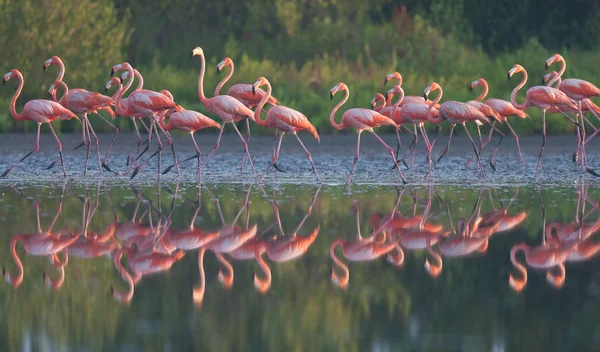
x,y
540,257
187,121
243,93
38,110
229,109
580,91
361,120
543,98
81,101
145,103
456,113
285,120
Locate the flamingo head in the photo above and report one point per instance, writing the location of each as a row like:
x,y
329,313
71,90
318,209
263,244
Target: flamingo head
x,y
390,93
124,76
167,94
12,74
552,59
516,68
261,285
54,60
54,87
516,284
122,66
261,81
377,98
393,75
336,88
197,51
549,76
475,83
113,81
341,282
224,63
432,86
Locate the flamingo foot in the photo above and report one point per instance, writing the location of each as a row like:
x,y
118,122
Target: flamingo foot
x,y
493,165
135,172
280,170
105,167
592,172
3,176
168,169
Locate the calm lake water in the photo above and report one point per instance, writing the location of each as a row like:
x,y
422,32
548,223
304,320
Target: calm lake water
x,y
240,268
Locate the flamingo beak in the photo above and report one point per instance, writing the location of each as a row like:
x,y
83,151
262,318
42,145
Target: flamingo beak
x,y
45,67
543,80
4,80
385,80
253,89
331,95
426,93
112,72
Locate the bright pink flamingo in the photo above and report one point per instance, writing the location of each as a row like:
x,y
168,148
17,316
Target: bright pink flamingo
x,y
580,91
242,92
543,98
229,109
145,103
81,101
456,113
38,110
285,120
187,121
361,120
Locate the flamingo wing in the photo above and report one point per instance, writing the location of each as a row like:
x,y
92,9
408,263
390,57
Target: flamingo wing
x,y
368,118
227,105
243,92
549,96
297,120
41,110
505,108
578,88
460,112
147,99
190,120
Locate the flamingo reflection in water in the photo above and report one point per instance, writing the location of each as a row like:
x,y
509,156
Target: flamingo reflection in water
x,y
366,248
547,256
41,243
285,247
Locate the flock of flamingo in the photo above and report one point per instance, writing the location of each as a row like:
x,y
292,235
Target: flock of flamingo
x,y
568,96
152,246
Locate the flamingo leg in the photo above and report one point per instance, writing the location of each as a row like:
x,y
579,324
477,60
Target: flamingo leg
x,y
170,143
475,150
427,143
582,129
309,157
517,141
596,130
135,161
91,130
83,142
274,147
502,135
112,140
481,142
59,146
274,157
216,145
356,158
137,131
199,157
391,151
88,143
413,146
247,141
543,143
444,152
195,156
416,139
157,152
35,149
245,147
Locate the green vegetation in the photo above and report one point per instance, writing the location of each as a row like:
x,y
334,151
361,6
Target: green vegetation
x,y
303,47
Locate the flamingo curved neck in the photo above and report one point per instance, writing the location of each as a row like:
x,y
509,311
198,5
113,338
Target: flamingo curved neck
x,y
513,258
563,66
201,95
120,91
225,276
513,95
556,79
264,283
485,92
16,281
257,117
434,103
63,85
343,280
222,83
436,268
397,103
13,102
61,71
336,108
56,284
140,79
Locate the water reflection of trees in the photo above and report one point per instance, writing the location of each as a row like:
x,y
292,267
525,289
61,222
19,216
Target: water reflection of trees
x,y
300,308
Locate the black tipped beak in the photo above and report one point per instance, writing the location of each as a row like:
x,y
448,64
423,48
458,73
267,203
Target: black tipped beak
x,y
105,89
112,73
330,95
543,81
387,96
50,94
253,89
425,96
4,80
192,55
546,66
470,88
218,70
385,80
508,76
121,79
45,67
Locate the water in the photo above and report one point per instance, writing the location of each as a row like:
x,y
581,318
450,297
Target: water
x,y
391,303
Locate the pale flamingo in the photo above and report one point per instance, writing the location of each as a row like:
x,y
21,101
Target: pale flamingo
x,y
84,102
580,91
229,109
242,92
40,111
361,120
543,98
456,113
187,121
145,103
81,101
285,120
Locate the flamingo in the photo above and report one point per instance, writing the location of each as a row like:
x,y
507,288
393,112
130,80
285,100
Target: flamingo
x,y
580,91
456,113
285,120
83,102
543,98
228,108
187,121
242,92
145,103
124,102
540,257
361,120
38,110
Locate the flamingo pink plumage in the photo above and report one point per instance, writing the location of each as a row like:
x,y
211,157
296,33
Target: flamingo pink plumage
x,y
361,120
40,111
228,108
285,120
